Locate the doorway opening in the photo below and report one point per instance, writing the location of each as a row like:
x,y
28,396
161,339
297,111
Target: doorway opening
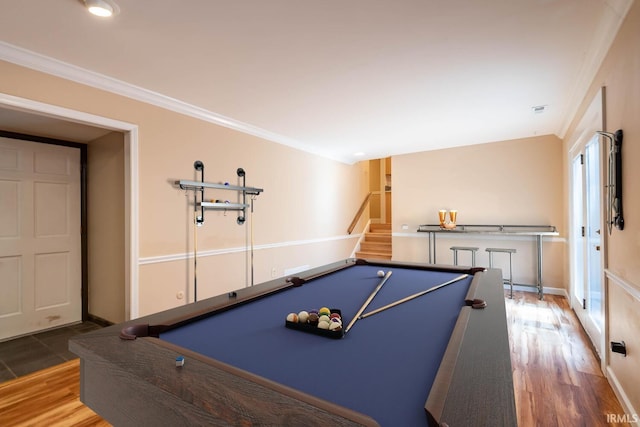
x,y
128,140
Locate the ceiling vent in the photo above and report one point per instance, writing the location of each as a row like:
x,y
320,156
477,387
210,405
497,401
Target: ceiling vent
x,y
539,109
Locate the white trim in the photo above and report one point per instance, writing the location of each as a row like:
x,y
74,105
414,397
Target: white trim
x,y
632,289
214,252
131,190
546,289
627,406
592,120
54,111
52,66
132,215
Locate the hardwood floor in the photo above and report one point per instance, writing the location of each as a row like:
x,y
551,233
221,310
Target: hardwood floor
x,y
50,397
557,378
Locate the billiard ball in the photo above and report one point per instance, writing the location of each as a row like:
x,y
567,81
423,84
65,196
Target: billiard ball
x,y
323,324
313,318
303,316
380,273
334,315
323,318
335,326
292,317
325,311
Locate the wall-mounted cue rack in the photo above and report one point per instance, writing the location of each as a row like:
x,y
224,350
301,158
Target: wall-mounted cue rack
x,y
200,205
200,186
614,180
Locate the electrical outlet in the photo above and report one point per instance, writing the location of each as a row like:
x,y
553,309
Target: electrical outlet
x,y
273,272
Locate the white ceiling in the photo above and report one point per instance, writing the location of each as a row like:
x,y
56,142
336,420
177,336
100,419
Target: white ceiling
x,y
380,77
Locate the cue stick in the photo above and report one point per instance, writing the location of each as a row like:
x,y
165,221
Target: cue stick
x,y
366,303
416,295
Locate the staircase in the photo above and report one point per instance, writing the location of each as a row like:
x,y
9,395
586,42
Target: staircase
x,y
376,243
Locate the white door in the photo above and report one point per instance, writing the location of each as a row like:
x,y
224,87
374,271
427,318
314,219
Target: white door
x,y
586,231
40,245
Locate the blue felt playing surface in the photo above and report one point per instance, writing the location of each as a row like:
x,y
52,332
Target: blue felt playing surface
x,y
383,367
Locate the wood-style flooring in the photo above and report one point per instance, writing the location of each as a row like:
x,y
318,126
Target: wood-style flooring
x,y
557,378
50,397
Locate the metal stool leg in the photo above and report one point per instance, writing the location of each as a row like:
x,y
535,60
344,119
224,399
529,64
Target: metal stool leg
x,y
455,250
510,252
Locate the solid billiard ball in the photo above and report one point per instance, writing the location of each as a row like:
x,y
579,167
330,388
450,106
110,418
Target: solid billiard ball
x,y
325,311
380,273
292,317
313,318
303,316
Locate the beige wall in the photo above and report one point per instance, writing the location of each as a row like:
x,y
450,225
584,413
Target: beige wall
x,y
620,75
105,227
508,182
301,219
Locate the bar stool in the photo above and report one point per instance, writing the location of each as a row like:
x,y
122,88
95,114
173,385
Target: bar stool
x,y
473,251
506,251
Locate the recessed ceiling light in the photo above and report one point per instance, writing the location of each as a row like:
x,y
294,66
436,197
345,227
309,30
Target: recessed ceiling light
x,y
358,154
103,8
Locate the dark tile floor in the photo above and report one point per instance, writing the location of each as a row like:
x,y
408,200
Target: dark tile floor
x,y
42,350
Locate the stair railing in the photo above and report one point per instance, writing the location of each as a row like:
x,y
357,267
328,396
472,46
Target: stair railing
x,y
363,206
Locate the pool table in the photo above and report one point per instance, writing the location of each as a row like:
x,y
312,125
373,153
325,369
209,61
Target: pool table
x,y
440,358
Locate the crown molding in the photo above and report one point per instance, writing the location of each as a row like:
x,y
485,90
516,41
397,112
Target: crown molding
x,y
54,67
603,37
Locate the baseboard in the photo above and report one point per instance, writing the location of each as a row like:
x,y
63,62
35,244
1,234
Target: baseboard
x,y
630,415
99,320
546,289
556,291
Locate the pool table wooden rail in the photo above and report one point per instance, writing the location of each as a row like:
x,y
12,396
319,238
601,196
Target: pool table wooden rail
x,y
136,382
